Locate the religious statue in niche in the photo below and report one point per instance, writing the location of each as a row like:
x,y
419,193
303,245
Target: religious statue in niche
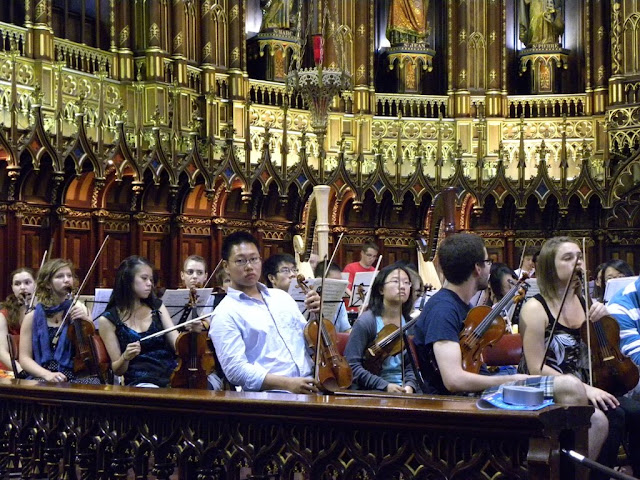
x,y
278,14
407,21
541,22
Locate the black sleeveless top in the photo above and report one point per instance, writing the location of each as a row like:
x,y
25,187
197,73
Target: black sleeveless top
x,y
567,352
156,361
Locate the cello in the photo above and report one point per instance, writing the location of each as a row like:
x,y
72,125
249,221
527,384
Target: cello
x,y
332,371
484,326
195,355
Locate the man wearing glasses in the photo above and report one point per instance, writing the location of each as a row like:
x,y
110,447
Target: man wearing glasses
x,y
279,271
257,331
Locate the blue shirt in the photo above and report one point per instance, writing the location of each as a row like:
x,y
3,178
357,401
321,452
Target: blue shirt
x,y
625,308
253,337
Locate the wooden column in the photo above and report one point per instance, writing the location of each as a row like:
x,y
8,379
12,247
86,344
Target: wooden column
x,y
598,74
459,36
38,20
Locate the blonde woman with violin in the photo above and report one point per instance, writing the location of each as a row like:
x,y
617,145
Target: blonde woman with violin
x,y
559,259
390,303
46,352
12,312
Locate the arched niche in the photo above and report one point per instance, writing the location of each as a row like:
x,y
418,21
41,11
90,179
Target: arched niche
x,y
235,207
366,217
156,197
272,209
36,187
79,191
196,203
117,194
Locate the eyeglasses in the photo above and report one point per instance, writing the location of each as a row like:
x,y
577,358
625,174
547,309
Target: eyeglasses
x,y
242,262
405,283
488,261
288,271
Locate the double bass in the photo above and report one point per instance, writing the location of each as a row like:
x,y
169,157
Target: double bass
x,y
194,351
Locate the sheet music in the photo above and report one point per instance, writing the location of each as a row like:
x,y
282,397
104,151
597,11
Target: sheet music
x,y
332,298
175,301
533,288
100,300
361,278
615,285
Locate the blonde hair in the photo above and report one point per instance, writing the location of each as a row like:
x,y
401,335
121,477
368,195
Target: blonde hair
x,y
44,292
546,266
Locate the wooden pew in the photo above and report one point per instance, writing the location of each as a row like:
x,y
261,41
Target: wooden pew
x,y
106,431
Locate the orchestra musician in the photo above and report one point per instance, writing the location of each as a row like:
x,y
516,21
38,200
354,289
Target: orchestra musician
x,y
568,353
257,331
611,269
223,280
13,310
390,303
368,256
133,313
625,308
194,272
279,270
466,266
40,356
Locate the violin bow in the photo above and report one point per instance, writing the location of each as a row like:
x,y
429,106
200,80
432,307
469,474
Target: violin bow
x,y
175,327
555,320
365,302
212,274
585,292
335,249
524,249
320,325
33,296
77,295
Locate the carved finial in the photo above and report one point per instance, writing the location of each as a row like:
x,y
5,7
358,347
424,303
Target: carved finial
x,y
38,95
342,143
155,118
121,112
196,122
80,103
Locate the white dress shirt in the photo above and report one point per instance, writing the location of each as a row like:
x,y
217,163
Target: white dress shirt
x,y
253,338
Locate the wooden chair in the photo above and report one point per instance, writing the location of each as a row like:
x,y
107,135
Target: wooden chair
x,y
506,351
102,358
14,348
343,338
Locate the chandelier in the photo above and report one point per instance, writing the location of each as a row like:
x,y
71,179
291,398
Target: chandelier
x,y
319,84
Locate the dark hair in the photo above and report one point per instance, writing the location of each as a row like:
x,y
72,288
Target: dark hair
x,y
620,265
376,300
459,254
368,245
221,274
498,271
272,264
123,296
534,257
598,290
12,304
320,268
195,258
236,238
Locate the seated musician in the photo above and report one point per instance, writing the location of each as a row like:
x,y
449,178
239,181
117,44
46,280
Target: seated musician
x,y
133,313
528,263
257,331
341,320
368,256
390,303
612,269
223,280
194,272
44,354
279,270
464,262
13,311
568,353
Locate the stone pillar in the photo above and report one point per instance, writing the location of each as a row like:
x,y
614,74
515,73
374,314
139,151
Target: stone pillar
x,y
458,41
496,90
600,40
124,38
38,20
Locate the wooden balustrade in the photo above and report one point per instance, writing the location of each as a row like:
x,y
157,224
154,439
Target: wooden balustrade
x,y
110,432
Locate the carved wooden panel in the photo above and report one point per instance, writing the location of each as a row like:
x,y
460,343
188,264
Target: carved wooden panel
x,y
112,432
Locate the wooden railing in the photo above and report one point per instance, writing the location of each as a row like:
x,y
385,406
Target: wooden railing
x,y
546,105
109,432
391,104
12,36
82,58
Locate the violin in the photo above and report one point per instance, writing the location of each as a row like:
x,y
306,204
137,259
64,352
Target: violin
x,y
611,370
484,326
79,333
387,343
332,369
195,353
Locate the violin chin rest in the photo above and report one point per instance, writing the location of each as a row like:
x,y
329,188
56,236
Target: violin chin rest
x,y
522,395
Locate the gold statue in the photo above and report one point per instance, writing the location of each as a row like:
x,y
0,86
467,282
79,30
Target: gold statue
x,y
277,14
541,22
407,21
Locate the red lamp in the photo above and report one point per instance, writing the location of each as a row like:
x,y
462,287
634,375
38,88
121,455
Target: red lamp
x,y
318,49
